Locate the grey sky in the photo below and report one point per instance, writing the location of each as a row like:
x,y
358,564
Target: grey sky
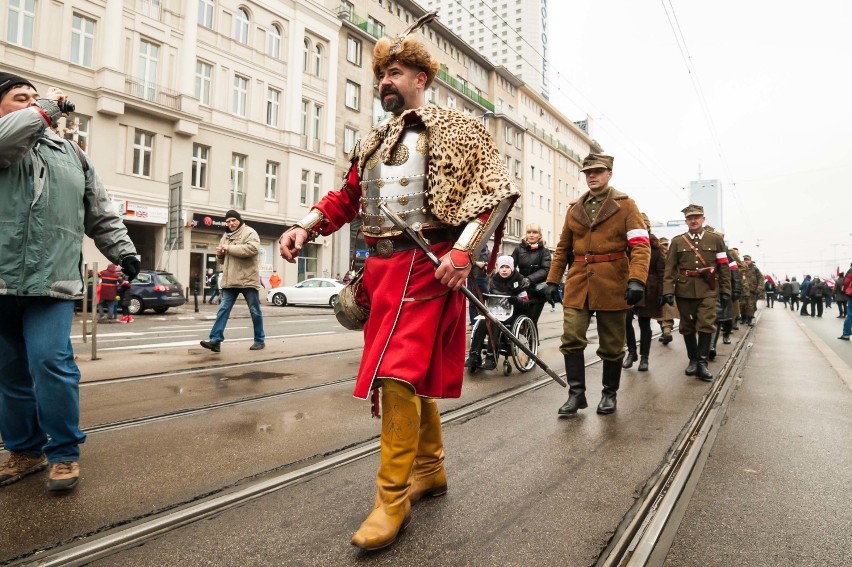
x,y
777,81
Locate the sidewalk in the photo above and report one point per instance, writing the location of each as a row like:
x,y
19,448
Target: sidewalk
x,y
775,488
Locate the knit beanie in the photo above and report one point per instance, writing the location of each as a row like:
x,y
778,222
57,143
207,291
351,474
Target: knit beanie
x,y
232,214
506,261
9,80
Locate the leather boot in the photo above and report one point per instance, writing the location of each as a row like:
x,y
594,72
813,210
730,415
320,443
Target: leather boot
x,y
611,381
428,477
726,332
691,351
644,351
712,354
701,371
400,436
575,375
474,361
630,358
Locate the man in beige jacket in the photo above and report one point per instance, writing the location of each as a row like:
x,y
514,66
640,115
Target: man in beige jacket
x,y
237,251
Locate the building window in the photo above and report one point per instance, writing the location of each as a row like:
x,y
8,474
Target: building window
x,y
273,100
303,191
143,146
318,60
306,54
375,27
151,8
82,40
353,50
240,95
271,192
21,21
451,101
241,26
200,156
317,120
317,186
517,169
77,130
203,78
146,71
303,129
353,95
432,95
238,181
347,8
350,136
273,41
517,227
205,13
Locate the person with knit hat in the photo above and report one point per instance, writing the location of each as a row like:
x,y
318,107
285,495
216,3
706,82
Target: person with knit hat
x,y
238,252
506,280
52,197
419,164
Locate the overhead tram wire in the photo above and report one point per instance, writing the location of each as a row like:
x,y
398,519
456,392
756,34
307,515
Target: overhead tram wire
x,y
680,39
643,159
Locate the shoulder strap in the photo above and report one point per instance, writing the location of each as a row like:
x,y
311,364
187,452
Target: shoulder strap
x,y
694,249
81,155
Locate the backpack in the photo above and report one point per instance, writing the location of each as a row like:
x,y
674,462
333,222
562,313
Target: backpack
x,y
818,290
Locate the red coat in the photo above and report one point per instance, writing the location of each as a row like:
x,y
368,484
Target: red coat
x,y
416,331
109,283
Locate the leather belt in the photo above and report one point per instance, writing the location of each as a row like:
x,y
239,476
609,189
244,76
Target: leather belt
x,y
594,258
690,273
385,247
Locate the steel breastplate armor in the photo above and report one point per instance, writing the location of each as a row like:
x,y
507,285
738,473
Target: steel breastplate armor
x,y
400,185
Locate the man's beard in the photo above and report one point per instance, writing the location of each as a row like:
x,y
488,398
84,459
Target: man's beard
x,y
395,104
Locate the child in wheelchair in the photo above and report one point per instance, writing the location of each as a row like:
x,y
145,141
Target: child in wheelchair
x,y
506,301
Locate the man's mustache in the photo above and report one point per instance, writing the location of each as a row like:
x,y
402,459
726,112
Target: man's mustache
x,y
389,90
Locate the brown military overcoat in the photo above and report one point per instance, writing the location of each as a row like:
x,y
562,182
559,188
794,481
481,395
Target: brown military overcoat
x,y
682,257
603,283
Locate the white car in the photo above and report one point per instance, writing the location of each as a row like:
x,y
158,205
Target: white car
x,y
313,291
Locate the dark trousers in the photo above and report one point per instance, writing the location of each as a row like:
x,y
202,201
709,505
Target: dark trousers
x,y
794,302
805,303
644,333
473,284
816,306
842,306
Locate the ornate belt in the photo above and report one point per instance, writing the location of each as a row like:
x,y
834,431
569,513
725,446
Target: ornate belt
x,y
594,258
385,247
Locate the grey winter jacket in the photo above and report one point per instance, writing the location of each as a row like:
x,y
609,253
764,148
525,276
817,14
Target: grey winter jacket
x,y
49,202
239,264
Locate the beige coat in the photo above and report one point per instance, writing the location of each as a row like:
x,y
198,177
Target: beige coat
x,y
239,263
602,284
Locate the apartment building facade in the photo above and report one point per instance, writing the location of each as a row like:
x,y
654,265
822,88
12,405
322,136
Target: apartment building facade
x,y
256,106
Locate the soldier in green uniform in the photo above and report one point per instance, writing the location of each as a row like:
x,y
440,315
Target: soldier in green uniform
x,y
600,228
696,272
752,289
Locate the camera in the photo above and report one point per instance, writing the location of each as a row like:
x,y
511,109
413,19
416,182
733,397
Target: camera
x,y
66,106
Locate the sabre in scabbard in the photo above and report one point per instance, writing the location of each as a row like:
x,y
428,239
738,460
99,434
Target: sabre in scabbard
x,y
418,240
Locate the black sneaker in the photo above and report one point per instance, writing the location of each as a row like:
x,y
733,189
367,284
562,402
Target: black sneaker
x,y
257,346
211,345
489,363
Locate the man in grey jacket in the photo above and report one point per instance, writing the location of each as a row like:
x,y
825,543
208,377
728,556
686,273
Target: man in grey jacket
x,y
238,252
51,197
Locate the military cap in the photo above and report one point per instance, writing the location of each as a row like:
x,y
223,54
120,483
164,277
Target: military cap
x,y
597,161
693,210
664,240
746,257
646,219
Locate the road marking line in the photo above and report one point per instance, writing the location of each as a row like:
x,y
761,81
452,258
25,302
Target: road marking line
x,y
195,343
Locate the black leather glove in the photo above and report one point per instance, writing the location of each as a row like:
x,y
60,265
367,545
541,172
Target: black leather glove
x,y
130,266
724,297
735,296
668,298
515,300
552,292
635,292
660,301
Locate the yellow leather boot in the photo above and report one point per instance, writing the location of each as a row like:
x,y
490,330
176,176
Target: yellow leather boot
x,y
400,427
429,477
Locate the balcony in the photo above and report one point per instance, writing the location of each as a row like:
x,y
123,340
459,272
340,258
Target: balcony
x,y
465,90
346,13
532,128
152,93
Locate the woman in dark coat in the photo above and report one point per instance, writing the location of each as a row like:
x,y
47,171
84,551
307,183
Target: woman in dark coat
x,y
532,260
647,309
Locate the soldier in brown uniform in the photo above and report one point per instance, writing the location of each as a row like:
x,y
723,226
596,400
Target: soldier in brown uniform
x,y
752,289
601,226
696,271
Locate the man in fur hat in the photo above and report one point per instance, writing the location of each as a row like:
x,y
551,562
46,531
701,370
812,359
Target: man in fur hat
x,y
442,172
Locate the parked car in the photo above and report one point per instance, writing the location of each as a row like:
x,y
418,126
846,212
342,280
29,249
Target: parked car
x,y
155,289
312,291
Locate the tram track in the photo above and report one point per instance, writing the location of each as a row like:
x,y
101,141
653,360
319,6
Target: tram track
x,y
638,538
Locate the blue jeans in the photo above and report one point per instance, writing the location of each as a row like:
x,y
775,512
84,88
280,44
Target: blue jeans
x,y
39,380
847,323
229,296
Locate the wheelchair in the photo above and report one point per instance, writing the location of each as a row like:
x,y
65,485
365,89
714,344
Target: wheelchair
x,y
521,326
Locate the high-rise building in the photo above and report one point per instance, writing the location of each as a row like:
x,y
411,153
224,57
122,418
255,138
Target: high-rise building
x,y
509,34
708,193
